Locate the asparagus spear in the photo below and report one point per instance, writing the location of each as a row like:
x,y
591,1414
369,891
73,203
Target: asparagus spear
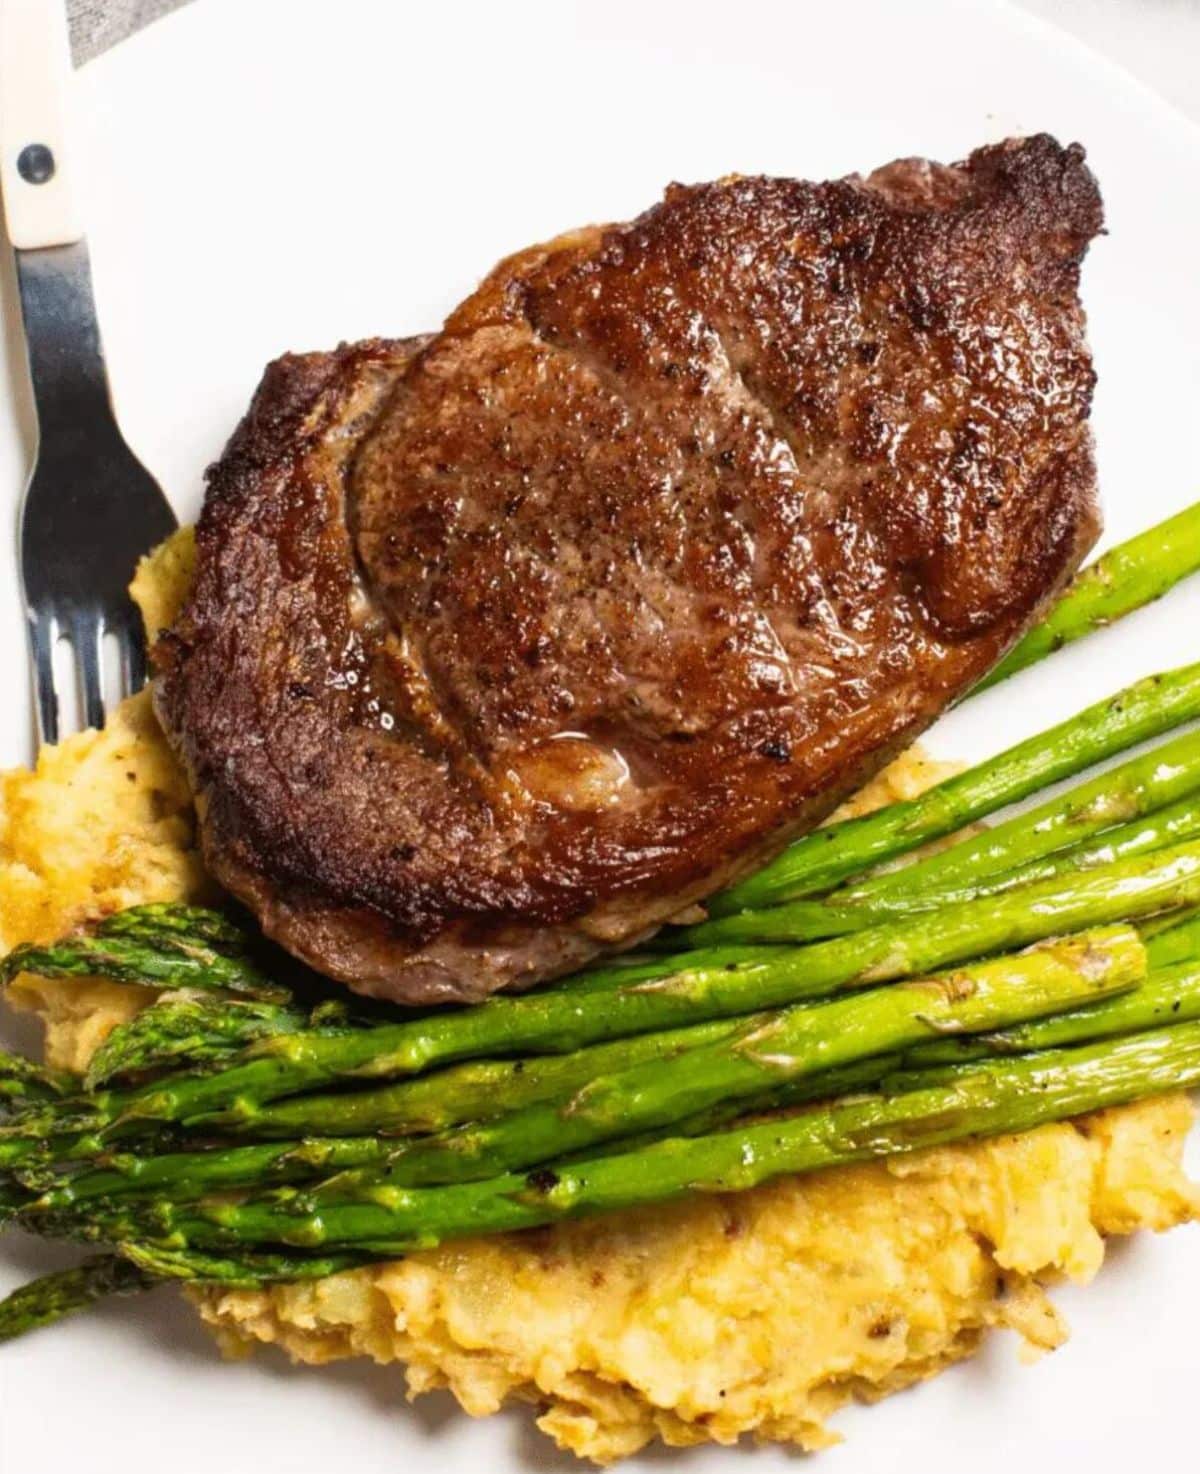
x,y
996,1097
1155,831
1172,995
719,982
1169,995
160,960
142,1266
791,922
863,1076
763,1051
187,924
837,915
191,1174
778,1047
823,858
478,1090
1138,787
54,1296
36,1153
238,1271
22,1080
1124,579
1178,943
187,1028
1166,921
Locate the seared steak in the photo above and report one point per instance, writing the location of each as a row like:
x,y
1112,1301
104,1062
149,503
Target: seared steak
x,y
507,644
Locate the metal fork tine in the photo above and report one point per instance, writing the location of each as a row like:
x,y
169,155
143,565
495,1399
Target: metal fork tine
x,y
43,636
86,635
133,658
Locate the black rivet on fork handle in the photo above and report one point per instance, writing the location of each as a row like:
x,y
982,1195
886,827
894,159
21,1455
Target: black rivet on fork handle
x,y
35,163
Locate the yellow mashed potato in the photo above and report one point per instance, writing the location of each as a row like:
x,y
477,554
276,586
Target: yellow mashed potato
x,y
760,1313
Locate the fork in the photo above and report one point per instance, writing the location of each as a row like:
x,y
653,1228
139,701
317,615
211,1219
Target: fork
x,y
91,509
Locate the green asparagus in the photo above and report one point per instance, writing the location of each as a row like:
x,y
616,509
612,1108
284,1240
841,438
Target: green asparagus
x,y
1170,995
82,1127
1178,943
189,1174
993,1098
157,920
835,916
187,1028
791,922
774,1048
764,1051
825,857
237,1271
1137,788
21,1080
475,1091
141,1266
45,1300
165,960
1131,575
719,982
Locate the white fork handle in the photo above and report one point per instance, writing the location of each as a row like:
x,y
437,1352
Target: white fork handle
x,y
35,83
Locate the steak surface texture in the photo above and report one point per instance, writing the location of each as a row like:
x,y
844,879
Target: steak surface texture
x,y
509,643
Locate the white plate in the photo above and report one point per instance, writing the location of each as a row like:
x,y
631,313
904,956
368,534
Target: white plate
x,y
287,173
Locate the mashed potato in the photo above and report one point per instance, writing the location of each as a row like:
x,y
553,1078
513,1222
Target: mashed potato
x,y
759,1313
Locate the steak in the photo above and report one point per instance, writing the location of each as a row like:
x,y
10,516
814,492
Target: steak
x,y
508,644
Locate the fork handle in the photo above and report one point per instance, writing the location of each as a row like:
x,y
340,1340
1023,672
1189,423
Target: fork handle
x,y
35,80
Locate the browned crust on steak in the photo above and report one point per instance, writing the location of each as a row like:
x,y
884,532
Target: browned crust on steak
x,y
507,644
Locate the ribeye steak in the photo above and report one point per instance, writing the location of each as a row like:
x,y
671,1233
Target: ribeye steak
x,y
508,643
